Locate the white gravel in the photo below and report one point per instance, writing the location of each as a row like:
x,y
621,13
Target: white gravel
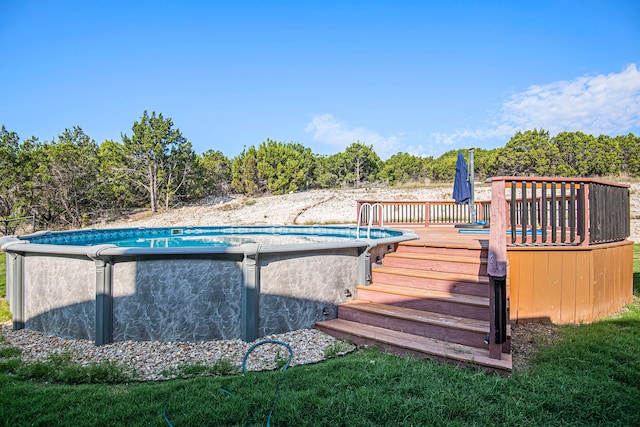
x,y
162,360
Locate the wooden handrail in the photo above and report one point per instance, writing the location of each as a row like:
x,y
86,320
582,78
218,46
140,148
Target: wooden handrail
x,y
425,213
564,211
530,179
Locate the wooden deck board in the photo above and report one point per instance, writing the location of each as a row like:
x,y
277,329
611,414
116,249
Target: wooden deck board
x,y
416,293
453,277
479,326
448,236
424,345
439,257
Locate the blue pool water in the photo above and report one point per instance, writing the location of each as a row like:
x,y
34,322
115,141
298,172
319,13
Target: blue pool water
x,y
178,237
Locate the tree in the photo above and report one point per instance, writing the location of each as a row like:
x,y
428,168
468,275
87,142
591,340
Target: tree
x,y
9,148
115,186
31,160
214,169
485,163
329,171
283,168
629,146
444,167
361,163
158,158
404,167
584,155
244,172
528,153
70,180
605,156
178,170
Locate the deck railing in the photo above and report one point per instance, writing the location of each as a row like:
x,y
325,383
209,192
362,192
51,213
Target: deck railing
x,y
442,212
523,211
540,211
562,211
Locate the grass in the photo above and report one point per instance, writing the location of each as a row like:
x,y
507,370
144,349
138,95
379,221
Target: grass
x,y
590,376
636,270
5,314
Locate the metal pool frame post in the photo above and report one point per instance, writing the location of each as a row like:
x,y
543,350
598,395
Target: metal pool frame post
x,y
104,295
15,283
17,294
250,300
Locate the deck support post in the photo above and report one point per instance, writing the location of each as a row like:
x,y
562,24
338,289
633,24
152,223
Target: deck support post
x,y
498,308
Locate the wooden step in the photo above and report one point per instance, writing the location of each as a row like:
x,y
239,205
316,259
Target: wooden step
x,y
404,343
456,249
444,327
444,302
438,262
435,280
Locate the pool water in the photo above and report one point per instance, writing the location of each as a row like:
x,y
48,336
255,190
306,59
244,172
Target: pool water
x,y
221,241
179,237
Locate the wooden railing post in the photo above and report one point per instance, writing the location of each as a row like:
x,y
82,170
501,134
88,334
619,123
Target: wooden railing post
x,y
426,214
497,268
584,217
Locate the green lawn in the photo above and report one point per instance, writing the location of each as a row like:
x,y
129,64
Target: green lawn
x,y
591,376
5,314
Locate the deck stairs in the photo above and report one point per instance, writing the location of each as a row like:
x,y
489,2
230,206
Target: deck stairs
x,y
426,300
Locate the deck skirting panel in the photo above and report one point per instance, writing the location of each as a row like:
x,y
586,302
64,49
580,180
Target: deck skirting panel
x,y
569,284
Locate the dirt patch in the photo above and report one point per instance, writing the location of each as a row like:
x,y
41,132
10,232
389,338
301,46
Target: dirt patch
x,y
527,339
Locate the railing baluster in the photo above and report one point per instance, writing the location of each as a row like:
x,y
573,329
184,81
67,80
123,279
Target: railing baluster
x,y
534,210
563,212
572,212
554,208
514,207
544,211
581,213
525,213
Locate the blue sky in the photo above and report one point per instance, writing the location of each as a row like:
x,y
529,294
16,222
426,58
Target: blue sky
x,y
421,77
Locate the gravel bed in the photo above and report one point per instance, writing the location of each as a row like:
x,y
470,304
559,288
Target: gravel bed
x,y
153,360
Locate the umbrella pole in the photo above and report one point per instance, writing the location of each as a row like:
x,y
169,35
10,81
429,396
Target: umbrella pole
x,y
472,202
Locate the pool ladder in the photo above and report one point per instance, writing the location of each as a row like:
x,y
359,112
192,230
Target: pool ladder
x,y
371,206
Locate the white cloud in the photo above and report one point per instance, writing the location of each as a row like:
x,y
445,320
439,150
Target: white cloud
x,y
326,129
600,104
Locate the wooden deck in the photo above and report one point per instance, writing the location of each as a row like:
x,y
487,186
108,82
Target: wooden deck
x,y
566,260
430,298
560,284
447,235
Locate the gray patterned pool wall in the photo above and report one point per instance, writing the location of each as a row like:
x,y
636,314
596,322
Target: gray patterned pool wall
x,y
107,293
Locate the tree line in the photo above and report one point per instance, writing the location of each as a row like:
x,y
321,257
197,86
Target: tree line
x,y
71,180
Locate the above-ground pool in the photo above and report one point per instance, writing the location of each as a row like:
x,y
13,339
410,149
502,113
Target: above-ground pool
x,y
188,283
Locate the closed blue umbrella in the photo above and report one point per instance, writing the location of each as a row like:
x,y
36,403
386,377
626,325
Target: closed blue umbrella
x,y
461,186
